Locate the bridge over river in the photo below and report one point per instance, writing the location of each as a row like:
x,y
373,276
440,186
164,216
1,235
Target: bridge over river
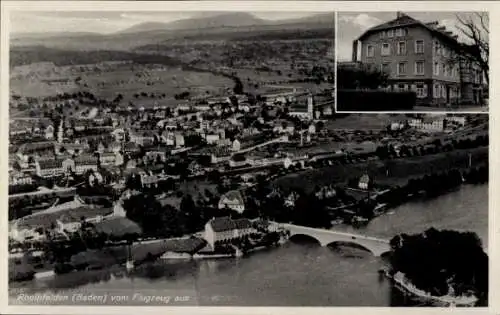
x,y
374,245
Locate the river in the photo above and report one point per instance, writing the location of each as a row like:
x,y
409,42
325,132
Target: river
x,y
292,275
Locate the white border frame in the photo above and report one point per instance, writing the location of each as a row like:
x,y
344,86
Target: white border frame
x,y
351,6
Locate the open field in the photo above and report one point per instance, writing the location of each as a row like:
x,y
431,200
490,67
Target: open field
x,y
128,79
168,82
391,172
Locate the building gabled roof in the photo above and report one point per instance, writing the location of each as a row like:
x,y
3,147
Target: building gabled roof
x,y
50,164
222,224
86,160
118,227
406,20
364,179
30,147
233,197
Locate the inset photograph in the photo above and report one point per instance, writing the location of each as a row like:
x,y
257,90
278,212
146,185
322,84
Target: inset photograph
x,y
412,62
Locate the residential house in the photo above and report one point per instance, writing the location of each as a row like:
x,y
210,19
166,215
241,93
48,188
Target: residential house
x,y
74,148
236,146
19,178
428,124
226,229
131,148
422,57
145,138
220,154
84,163
224,142
119,134
460,120
149,180
49,132
232,200
107,158
212,138
155,155
179,140
326,192
364,182
68,165
303,110
49,167
32,149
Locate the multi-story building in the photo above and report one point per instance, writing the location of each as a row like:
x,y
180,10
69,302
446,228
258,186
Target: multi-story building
x,y
428,124
84,163
304,112
225,229
233,200
421,57
49,167
19,178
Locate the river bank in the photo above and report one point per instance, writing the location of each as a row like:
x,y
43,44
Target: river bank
x,y
385,172
449,300
292,274
422,188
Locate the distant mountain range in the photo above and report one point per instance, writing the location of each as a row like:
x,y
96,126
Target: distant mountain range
x,y
234,20
237,19
153,32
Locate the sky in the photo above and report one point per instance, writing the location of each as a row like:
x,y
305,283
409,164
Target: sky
x,y
352,24
109,22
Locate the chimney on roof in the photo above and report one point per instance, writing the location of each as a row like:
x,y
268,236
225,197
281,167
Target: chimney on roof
x,y
400,14
432,24
441,28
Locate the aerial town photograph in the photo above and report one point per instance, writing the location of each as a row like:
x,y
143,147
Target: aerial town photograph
x,y
197,159
413,61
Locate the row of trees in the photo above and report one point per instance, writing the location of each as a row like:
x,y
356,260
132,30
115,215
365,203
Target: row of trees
x,y
389,151
160,220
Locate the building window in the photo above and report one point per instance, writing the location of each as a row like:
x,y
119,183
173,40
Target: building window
x,y
370,51
386,49
436,68
390,33
401,68
436,90
419,46
446,52
436,48
401,32
401,87
401,48
445,69
419,67
382,34
386,68
421,91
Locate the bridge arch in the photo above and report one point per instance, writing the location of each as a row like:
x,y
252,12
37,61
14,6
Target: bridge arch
x,y
303,238
353,244
335,238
